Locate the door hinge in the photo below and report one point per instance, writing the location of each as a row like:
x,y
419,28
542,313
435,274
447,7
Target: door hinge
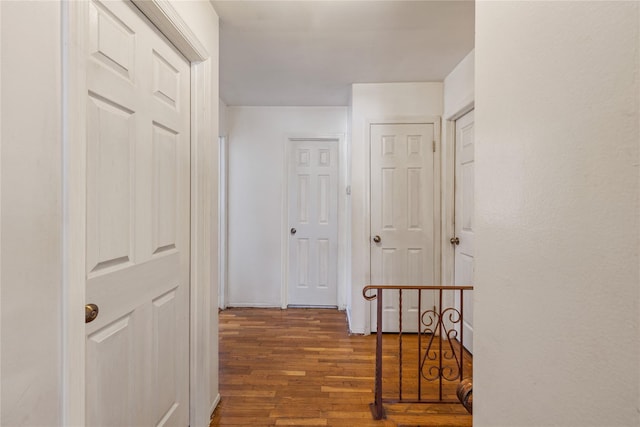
x,y
433,144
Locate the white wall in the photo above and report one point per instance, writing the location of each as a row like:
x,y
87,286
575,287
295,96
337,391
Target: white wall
x,y
257,138
373,102
557,264
459,87
31,244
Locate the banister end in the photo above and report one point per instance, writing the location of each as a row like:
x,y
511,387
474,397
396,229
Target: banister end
x,y
369,297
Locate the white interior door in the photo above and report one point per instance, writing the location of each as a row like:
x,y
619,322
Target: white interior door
x,y
402,217
464,219
313,219
138,160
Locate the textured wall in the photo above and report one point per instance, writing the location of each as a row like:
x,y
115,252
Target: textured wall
x,y
31,214
557,280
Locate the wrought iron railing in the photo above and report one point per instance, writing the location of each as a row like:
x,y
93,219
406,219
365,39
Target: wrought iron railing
x,y
438,362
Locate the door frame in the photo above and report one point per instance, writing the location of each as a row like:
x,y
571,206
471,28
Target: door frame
x,y
449,199
370,312
341,269
223,218
0,193
449,194
74,88
453,299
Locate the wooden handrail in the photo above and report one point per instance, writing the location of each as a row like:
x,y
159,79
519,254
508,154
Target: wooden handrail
x,y
411,287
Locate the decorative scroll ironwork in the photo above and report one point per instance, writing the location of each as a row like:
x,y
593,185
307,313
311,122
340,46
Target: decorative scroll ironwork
x,y
440,358
433,365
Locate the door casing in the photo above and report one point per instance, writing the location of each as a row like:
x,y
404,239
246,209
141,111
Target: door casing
x,y
370,313
448,197
463,248
74,88
342,215
223,208
309,231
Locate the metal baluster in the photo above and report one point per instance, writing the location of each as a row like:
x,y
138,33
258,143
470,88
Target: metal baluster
x,y
461,332
400,343
376,408
419,342
427,371
440,345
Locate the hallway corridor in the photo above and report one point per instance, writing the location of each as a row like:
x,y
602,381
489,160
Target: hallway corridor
x,y
300,367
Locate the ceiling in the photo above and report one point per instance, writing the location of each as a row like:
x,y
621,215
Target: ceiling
x,y
308,53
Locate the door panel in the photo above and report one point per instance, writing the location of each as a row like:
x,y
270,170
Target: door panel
x,y
112,346
110,152
402,214
464,219
313,213
138,198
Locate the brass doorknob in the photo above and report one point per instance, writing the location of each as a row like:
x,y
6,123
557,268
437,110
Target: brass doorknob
x,y
454,241
377,239
90,313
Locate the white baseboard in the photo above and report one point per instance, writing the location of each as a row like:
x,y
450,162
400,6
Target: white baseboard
x,y
214,405
252,305
348,310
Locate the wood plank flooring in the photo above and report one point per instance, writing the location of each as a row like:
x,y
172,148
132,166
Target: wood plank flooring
x,y
300,367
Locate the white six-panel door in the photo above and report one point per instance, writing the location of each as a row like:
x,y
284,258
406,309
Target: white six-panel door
x,y
313,220
464,219
138,148
402,216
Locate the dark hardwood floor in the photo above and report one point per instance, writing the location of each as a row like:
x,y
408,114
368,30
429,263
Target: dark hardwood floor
x,y
300,367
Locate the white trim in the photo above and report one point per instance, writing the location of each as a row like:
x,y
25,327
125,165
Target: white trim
x,y
341,291
343,221
201,245
254,305
171,24
448,201
449,197
223,176
74,27
448,192
214,404
0,204
437,200
162,14
284,226
369,311
348,314
468,106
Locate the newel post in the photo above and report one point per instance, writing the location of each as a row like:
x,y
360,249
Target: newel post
x,y
377,410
